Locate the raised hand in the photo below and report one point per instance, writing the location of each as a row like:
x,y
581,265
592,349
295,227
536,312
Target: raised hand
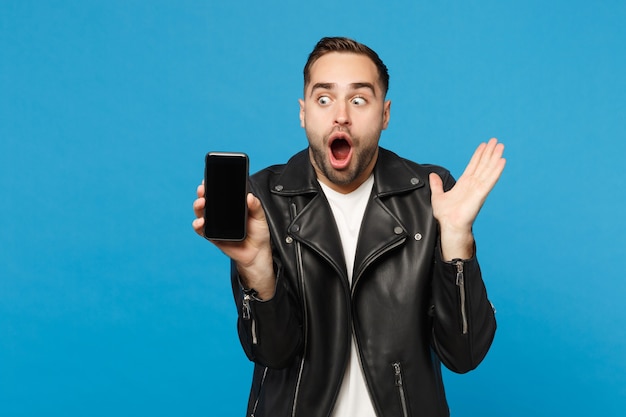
x,y
253,255
456,209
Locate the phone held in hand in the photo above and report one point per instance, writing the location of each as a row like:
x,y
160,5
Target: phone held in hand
x,y
225,191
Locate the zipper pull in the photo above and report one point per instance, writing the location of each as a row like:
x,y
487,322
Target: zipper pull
x,y
246,313
246,307
459,273
460,282
248,294
398,373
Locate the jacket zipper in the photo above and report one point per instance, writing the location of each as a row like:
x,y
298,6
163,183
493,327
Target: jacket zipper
x,y
258,397
460,282
300,271
397,369
247,315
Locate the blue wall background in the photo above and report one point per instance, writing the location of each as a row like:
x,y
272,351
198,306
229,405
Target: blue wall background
x,y
111,305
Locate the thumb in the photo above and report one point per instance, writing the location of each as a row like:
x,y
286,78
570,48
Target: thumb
x,y
255,208
436,184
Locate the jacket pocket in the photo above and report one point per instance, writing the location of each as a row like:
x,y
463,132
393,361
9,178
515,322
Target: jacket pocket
x,y
399,382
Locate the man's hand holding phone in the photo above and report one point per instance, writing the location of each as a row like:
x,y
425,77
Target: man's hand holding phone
x,y
253,254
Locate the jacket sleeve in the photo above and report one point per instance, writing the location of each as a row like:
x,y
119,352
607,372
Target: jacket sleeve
x,y
269,330
463,318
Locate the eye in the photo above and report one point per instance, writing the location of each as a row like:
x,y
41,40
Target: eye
x,y
359,101
323,100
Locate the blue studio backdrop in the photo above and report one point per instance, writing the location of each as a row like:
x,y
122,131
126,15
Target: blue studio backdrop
x,y
110,304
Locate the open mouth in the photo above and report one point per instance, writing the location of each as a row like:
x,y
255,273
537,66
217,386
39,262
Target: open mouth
x,y
340,149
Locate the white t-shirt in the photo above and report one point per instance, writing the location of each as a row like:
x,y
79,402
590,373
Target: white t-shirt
x,y
348,210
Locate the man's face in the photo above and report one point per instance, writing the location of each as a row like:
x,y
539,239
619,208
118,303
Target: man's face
x,y
343,113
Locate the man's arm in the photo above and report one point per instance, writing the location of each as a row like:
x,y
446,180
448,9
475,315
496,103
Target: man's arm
x,y
268,327
463,318
464,321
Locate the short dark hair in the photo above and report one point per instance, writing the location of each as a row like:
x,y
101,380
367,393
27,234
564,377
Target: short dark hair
x,y
341,44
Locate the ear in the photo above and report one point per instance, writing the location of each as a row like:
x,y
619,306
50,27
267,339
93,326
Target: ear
x,y
301,102
386,113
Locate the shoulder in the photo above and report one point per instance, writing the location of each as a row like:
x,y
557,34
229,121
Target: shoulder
x,y
295,177
388,156
391,165
272,171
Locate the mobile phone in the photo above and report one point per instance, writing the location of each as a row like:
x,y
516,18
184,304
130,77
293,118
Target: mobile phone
x,y
225,191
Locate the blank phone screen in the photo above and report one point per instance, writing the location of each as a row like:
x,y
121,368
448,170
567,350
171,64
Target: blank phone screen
x,y
225,182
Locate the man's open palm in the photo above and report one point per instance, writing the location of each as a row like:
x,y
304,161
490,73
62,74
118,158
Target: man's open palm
x,y
458,207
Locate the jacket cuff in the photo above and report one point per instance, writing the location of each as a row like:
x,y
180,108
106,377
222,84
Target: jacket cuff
x,y
470,265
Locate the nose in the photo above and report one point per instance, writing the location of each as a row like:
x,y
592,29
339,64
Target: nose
x,y
342,117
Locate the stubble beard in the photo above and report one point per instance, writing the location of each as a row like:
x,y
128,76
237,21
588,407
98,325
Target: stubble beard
x,y
361,158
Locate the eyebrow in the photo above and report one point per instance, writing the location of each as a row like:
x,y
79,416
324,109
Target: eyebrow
x,y
353,86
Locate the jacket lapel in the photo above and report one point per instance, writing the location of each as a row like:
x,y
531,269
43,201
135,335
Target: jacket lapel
x,y
315,227
314,224
382,229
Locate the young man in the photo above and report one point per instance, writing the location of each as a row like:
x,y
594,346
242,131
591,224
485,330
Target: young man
x,y
358,276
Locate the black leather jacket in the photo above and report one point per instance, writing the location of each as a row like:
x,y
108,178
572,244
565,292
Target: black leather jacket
x,y
407,309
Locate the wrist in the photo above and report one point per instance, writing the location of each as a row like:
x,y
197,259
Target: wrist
x,y
259,276
456,244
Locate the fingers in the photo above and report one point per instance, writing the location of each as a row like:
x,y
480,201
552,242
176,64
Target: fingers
x,y
198,225
487,162
491,163
198,209
200,190
198,204
255,209
493,153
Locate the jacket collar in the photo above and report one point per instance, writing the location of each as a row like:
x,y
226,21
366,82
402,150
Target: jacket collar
x,y
392,175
